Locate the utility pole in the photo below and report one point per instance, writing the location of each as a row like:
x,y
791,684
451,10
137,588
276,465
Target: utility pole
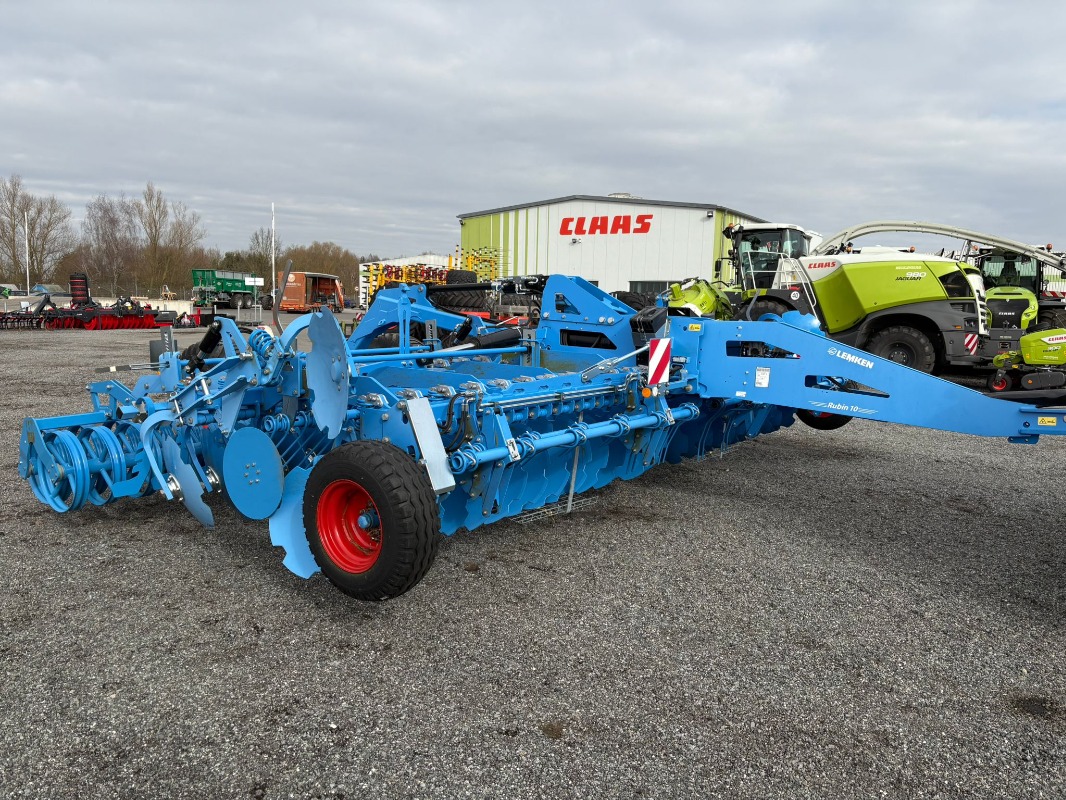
x,y
26,230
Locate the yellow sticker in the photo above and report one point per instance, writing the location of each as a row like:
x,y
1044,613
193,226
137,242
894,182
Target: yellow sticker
x,y
1047,421
694,327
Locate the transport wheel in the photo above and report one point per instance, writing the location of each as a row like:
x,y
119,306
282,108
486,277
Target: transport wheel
x,y
371,519
234,301
756,308
1001,381
266,301
822,420
904,345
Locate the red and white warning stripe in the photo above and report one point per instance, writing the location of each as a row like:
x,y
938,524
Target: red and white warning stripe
x,y
970,343
658,361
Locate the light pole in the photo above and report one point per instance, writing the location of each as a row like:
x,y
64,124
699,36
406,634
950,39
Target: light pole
x,y
26,230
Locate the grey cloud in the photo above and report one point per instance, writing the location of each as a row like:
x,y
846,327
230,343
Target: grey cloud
x,y
373,124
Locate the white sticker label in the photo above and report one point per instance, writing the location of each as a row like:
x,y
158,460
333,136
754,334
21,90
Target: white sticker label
x,y
762,377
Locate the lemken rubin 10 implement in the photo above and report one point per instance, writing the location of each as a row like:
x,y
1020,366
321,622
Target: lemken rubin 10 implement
x,y
360,456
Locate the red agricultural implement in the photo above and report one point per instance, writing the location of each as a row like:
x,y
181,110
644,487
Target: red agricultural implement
x,y
85,313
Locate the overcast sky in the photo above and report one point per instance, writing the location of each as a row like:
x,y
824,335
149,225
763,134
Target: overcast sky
x,y
373,124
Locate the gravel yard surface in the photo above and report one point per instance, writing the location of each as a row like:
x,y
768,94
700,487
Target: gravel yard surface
x,y
870,612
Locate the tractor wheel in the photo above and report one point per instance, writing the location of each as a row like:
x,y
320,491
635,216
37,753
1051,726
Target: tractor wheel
x,y
371,519
1048,319
234,301
246,301
266,301
904,345
460,276
632,299
822,420
469,299
756,308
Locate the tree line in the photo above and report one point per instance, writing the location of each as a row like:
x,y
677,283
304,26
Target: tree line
x,y
135,245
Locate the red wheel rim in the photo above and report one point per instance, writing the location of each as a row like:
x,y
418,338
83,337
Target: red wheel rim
x,y
349,526
1000,384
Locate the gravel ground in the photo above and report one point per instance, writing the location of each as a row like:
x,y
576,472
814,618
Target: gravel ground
x,y
874,611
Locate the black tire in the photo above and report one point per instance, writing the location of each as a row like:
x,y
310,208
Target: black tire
x,y
194,348
821,420
762,305
632,299
374,481
266,301
904,345
1048,319
470,299
234,301
246,301
391,339
387,339
460,276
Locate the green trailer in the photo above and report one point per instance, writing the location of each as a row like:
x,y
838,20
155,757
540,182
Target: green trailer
x,y
211,287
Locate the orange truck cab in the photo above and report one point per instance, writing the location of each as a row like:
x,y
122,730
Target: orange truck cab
x,y
310,291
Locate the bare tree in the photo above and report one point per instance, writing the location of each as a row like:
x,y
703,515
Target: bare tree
x,y
172,234
328,257
43,220
154,215
52,237
183,238
259,252
184,232
112,242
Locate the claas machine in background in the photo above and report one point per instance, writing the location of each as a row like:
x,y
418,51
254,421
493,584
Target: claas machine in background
x,y
361,456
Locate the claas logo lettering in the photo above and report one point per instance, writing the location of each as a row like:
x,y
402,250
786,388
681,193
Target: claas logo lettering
x,y
623,223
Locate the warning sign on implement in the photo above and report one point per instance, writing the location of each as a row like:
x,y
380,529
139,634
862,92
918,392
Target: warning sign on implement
x,y
658,361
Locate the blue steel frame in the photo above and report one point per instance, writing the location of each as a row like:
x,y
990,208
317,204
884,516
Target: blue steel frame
x,y
508,419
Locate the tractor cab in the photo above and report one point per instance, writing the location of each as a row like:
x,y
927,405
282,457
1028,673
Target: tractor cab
x,y
1012,286
766,255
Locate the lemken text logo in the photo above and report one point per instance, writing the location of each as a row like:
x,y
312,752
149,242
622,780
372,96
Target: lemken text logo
x,y
851,358
623,223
